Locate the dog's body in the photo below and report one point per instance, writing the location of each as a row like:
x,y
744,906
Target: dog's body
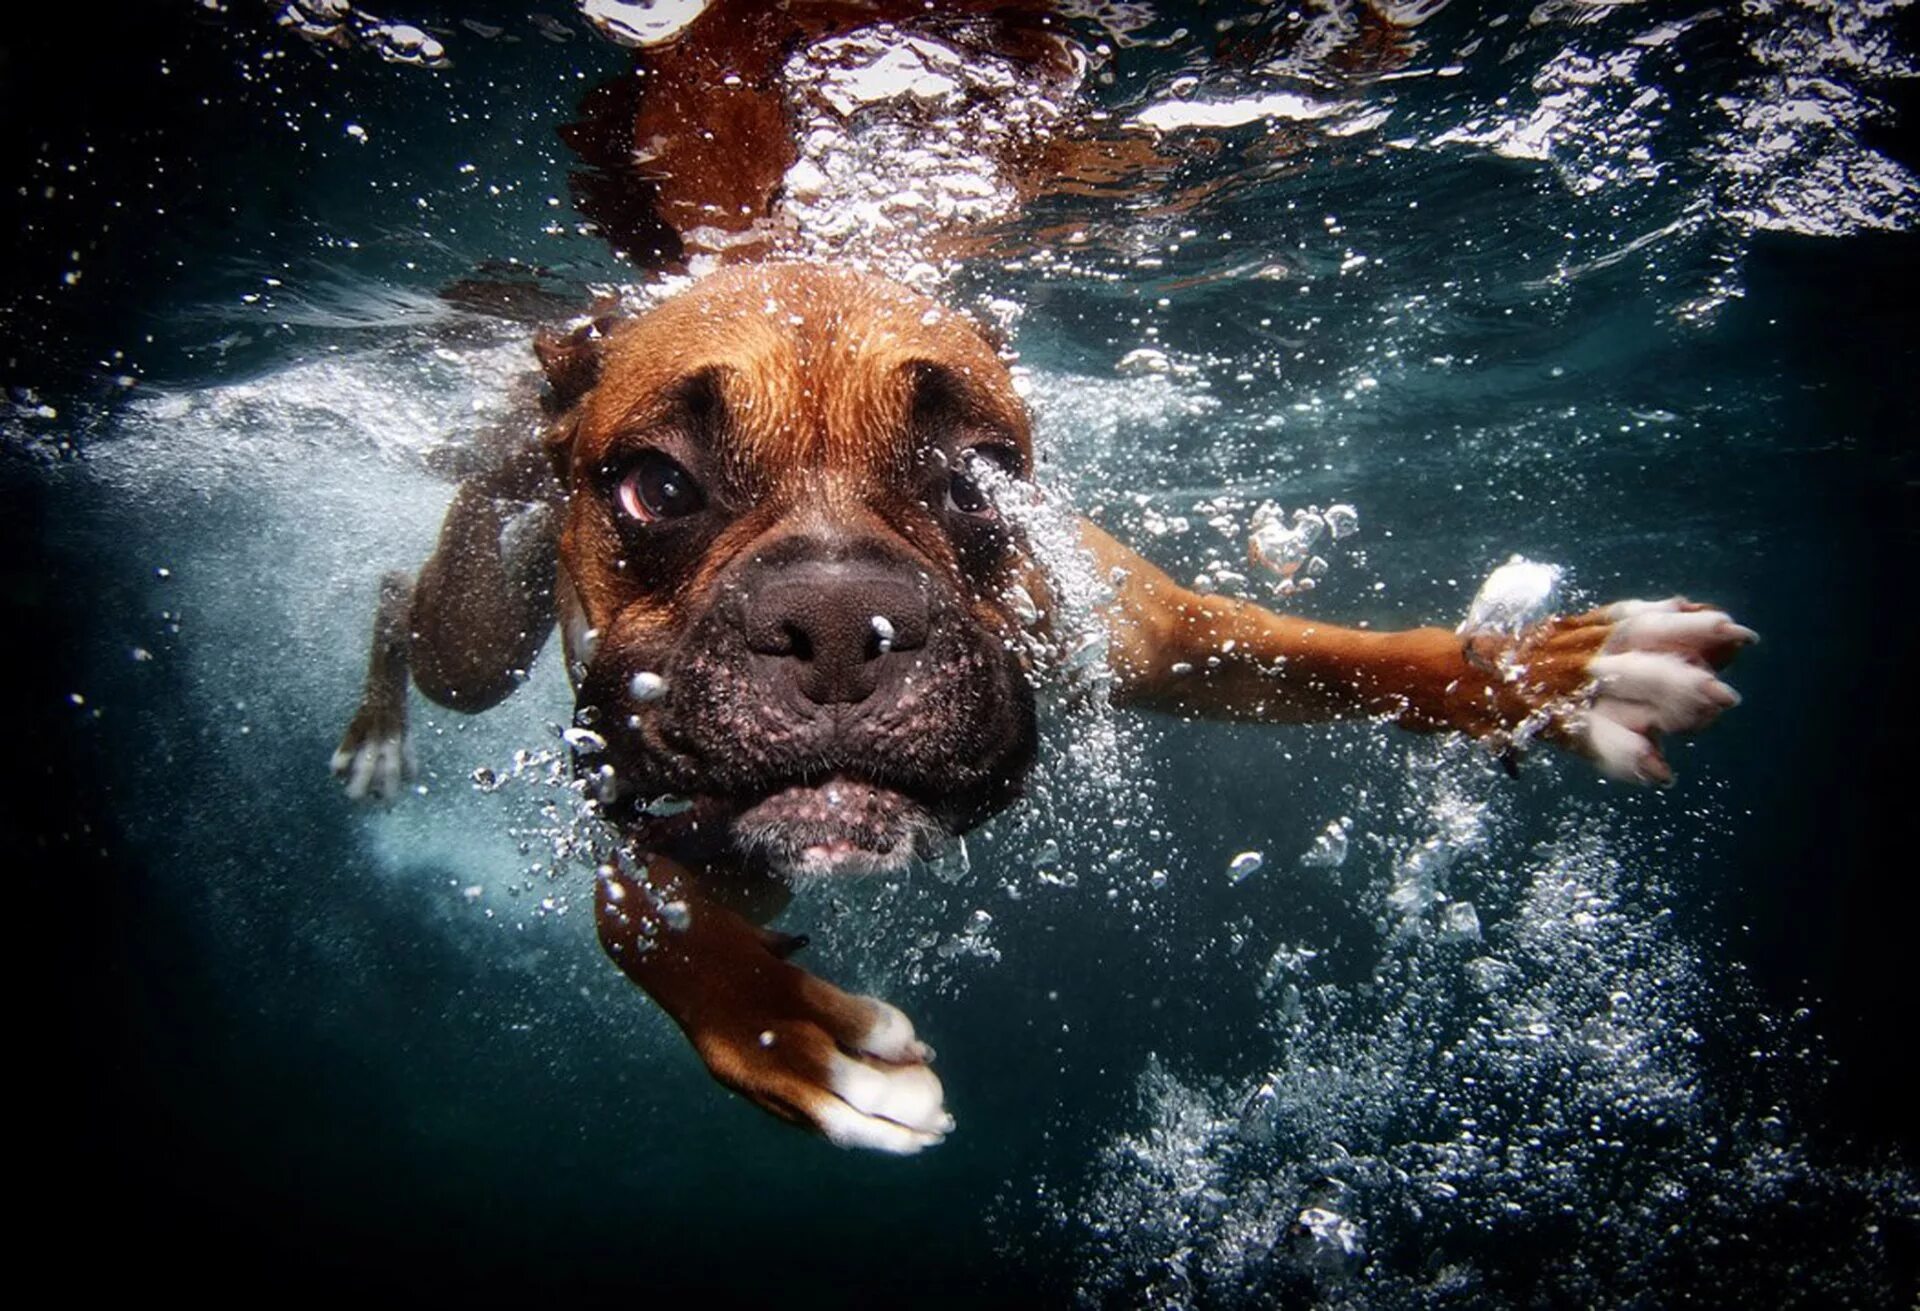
x,y
795,602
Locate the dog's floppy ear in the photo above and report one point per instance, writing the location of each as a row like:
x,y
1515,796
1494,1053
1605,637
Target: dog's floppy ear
x,y
571,361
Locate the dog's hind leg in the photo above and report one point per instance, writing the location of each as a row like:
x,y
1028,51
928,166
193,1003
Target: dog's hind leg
x,y
468,630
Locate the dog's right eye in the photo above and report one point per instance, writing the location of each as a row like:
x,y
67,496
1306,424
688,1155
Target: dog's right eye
x,y
656,488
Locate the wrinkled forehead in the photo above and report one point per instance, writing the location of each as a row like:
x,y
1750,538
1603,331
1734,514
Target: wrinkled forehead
x,y
803,368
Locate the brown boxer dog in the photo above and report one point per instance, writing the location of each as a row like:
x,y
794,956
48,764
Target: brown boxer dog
x,y
793,602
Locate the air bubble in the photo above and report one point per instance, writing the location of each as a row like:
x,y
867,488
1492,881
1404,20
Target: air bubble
x,y
585,741
1329,849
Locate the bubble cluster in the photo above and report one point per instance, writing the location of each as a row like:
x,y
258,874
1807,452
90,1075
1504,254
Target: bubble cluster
x,y
339,22
1513,1107
904,145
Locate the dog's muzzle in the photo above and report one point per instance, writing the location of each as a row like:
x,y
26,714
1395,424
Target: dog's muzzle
x,y
839,707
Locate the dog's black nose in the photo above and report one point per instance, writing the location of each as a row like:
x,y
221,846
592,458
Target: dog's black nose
x,y
841,624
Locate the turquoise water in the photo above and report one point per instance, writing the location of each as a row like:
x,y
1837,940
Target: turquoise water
x,y
1624,287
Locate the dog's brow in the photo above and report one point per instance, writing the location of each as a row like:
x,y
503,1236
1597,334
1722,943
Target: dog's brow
x,y
700,394
695,401
939,391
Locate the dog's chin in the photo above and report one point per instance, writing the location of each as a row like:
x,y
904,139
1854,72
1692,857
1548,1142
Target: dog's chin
x,y
836,829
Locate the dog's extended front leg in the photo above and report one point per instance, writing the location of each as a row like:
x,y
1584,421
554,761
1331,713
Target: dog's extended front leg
x,y
1605,684
848,1067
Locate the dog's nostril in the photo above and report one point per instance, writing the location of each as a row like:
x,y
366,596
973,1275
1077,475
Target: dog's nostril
x,y
799,644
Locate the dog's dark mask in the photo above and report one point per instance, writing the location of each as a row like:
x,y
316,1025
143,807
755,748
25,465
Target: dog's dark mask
x,y
787,576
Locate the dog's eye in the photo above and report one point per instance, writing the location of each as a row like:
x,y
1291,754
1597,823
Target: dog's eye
x,y
965,495
980,467
656,487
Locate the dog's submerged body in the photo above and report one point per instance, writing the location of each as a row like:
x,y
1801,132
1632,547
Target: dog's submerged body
x,y
770,516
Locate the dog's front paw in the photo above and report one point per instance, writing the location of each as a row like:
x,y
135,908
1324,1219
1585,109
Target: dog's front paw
x,y
846,1066
374,756
1609,682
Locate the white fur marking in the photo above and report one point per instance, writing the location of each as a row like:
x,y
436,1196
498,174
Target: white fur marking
x,y
906,1094
845,1127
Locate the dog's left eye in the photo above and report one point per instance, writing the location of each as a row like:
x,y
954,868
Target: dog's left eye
x,y
656,487
964,491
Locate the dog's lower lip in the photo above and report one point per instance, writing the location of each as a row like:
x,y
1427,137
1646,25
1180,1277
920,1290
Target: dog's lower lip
x,y
834,850
831,802
838,825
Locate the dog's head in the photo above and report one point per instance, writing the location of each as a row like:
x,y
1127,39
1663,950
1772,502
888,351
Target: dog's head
x,y
790,582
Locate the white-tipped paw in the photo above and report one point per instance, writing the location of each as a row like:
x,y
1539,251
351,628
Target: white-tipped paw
x,y
1654,674
879,1091
375,765
850,1067
888,1108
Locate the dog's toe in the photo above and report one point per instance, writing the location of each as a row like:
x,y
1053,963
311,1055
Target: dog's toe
x,y
1678,694
1679,627
843,1126
889,1035
1618,749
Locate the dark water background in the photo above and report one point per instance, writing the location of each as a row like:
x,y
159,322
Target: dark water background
x,y
269,1046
